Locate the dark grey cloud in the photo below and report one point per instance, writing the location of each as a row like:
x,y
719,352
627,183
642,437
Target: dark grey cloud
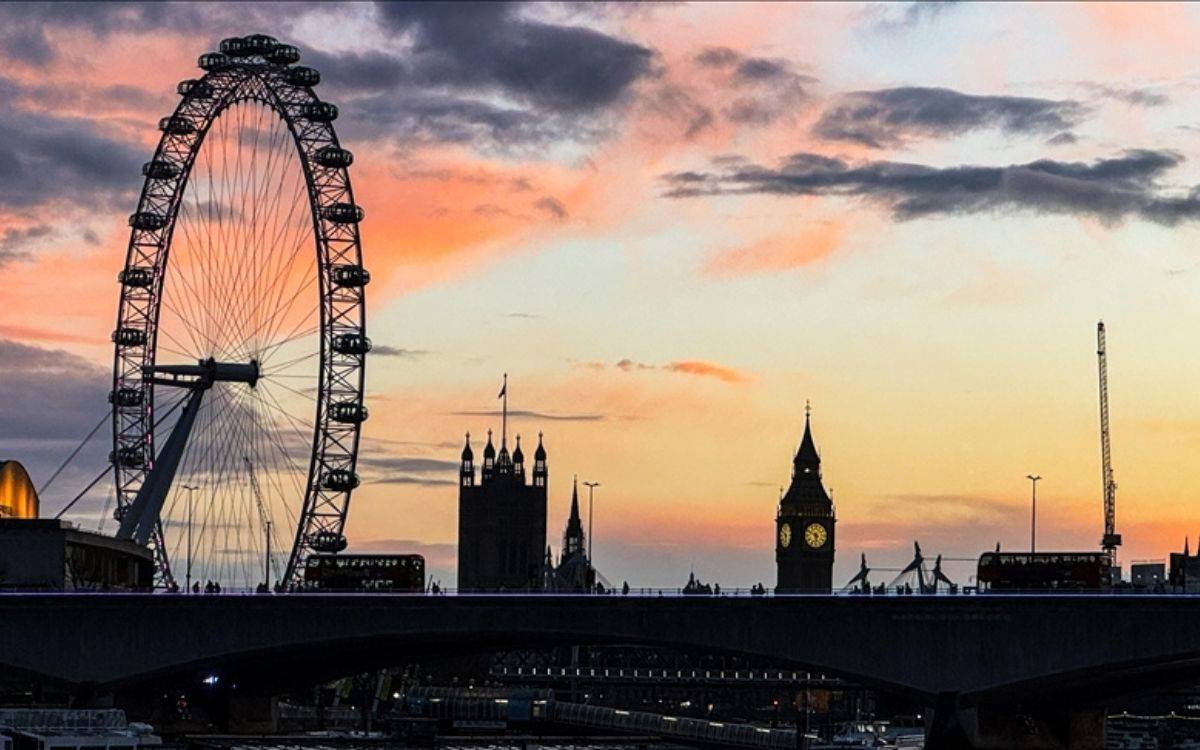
x,y
492,46
411,464
1065,138
417,480
898,17
383,468
552,206
1133,96
763,69
44,158
479,73
550,417
15,241
383,350
484,74
718,57
358,72
411,117
765,88
24,25
48,394
1111,190
891,117
51,400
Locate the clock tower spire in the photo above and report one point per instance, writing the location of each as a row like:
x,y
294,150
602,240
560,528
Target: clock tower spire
x,y
804,524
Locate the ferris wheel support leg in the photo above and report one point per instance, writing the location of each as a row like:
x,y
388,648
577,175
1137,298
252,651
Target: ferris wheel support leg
x,y
142,519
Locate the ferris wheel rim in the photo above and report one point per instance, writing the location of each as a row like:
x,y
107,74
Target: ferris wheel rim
x,y
343,344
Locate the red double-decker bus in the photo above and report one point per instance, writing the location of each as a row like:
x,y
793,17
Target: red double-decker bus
x,y
365,573
1044,571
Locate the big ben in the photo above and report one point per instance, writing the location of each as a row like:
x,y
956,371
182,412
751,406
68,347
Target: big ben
x,y
804,525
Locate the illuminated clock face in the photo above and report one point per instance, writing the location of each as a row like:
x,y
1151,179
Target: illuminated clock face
x,y
815,535
785,534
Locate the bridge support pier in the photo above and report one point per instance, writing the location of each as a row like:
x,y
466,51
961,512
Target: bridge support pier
x,y
954,725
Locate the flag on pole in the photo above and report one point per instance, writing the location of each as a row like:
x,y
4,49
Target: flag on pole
x,y
503,388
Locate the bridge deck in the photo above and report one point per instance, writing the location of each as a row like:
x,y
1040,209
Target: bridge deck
x,y
923,645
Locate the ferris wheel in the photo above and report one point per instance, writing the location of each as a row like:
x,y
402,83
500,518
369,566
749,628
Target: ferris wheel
x,y
241,340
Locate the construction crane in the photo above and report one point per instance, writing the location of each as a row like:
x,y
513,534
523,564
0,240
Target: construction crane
x,y
265,519
1111,539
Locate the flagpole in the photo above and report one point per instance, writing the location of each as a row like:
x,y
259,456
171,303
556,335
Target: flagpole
x,y
504,419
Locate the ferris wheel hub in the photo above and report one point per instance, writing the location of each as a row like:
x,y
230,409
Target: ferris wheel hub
x,y
203,374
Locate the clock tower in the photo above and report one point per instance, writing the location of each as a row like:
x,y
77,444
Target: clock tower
x,y
804,525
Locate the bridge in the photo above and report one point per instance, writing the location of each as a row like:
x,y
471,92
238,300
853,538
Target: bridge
x,y
958,653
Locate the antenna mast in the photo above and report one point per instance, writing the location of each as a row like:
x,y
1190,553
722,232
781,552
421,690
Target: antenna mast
x,y
1111,539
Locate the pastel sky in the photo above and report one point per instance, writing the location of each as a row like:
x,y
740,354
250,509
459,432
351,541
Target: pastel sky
x,y
671,225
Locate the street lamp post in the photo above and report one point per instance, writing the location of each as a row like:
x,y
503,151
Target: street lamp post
x,y
190,489
267,561
1033,480
591,488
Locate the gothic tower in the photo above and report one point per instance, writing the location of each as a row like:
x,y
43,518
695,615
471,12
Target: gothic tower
x,y
501,519
573,535
804,525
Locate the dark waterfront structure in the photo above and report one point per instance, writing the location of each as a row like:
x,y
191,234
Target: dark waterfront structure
x,y
49,554
501,520
804,525
1184,572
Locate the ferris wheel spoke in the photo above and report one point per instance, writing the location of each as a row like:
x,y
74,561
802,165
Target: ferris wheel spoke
x,y
278,369
292,336
284,309
283,227
268,323
273,403
193,334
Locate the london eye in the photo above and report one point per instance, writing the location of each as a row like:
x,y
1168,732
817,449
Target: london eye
x,y
240,341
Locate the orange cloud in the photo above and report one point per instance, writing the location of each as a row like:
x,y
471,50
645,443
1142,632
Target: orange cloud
x,y
708,370
687,366
778,253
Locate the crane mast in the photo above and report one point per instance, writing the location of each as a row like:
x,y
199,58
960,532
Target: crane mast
x,y
1111,539
264,518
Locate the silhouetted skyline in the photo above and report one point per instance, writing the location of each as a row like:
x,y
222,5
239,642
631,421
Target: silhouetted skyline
x,y
679,225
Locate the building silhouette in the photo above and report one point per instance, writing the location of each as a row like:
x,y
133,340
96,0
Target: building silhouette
x,y
804,525
574,571
501,518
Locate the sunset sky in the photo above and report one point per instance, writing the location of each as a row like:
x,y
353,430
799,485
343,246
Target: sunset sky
x,y
672,225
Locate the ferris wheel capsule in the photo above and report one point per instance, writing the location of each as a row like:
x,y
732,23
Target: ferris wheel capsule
x,y
195,89
351,276
147,220
160,169
339,480
214,61
327,542
318,112
129,457
351,343
302,76
177,125
342,213
127,397
234,46
126,336
333,157
283,54
137,276
259,44
348,412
